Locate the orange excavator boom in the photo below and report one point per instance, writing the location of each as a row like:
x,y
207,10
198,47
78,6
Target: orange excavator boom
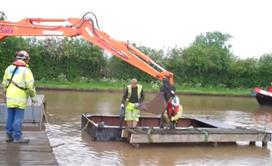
x,y
88,28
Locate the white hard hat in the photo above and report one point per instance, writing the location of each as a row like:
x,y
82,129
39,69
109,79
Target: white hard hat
x,y
175,101
22,55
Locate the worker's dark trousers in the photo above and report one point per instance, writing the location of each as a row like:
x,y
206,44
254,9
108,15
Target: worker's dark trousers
x,y
14,122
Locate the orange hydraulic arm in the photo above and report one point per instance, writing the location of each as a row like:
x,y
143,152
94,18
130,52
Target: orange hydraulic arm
x,y
89,30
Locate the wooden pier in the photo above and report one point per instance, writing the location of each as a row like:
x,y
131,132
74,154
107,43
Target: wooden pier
x,y
39,150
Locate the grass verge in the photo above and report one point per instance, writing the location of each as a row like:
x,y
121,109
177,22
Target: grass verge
x,y
148,87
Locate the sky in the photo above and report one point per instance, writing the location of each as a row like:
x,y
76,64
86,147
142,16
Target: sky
x,y
164,23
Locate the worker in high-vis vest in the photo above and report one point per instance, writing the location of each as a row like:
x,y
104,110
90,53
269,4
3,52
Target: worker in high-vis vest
x,y
173,110
18,84
132,98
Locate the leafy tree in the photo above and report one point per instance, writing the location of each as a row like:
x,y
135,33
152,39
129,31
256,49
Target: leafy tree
x,y
122,70
265,72
174,62
208,59
2,16
244,73
52,57
8,48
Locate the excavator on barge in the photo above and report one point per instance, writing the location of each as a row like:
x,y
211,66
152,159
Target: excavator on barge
x,y
87,27
189,130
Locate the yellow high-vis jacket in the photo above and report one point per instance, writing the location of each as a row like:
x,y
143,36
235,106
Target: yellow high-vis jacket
x,y
21,86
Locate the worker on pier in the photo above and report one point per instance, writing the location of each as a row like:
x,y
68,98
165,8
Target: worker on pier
x,y
132,98
18,84
173,110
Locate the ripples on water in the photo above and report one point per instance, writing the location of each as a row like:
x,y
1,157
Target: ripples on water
x,y
75,148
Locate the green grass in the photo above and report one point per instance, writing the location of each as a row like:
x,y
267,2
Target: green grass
x,y
92,85
119,85
216,91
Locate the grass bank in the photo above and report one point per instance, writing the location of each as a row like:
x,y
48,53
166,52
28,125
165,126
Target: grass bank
x,y
148,87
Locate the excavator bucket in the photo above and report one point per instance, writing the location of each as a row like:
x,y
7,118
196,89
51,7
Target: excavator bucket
x,y
156,106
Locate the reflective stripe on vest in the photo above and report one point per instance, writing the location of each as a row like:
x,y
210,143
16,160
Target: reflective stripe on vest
x,y
16,99
19,83
139,90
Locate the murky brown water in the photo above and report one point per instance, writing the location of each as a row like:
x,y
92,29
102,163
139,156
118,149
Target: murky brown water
x,y
65,109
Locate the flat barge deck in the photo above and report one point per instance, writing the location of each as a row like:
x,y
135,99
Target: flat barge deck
x,y
189,130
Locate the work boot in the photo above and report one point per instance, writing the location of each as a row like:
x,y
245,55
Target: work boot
x,y
161,122
173,125
21,141
9,138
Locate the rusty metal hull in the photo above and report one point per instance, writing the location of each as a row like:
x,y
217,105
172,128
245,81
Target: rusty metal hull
x,y
109,127
189,130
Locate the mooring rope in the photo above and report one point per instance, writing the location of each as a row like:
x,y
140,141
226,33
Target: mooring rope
x,y
45,116
149,130
32,114
55,146
206,134
86,125
49,126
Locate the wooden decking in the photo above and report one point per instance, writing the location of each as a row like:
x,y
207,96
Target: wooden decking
x,y
37,152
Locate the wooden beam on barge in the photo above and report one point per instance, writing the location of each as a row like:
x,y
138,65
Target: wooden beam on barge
x,y
196,135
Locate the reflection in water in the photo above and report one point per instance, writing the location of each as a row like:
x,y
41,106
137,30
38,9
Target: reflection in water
x,y
65,109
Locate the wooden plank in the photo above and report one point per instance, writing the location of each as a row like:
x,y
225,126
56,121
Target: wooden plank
x,y
197,135
37,152
36,136
27,158
27,126
194,131
157,138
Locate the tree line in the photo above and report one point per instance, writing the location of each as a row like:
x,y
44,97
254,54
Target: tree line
x,y
207,62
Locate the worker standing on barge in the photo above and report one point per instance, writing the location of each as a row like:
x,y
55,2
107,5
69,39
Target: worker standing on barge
x,y
18,84
132,98
173,110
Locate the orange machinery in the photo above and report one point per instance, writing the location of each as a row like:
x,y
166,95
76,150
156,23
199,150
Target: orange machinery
x,y
88,28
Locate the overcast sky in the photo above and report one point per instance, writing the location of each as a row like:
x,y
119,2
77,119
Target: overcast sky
x,y
164,23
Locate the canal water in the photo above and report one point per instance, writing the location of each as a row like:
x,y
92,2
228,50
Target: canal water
x,y
72,147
